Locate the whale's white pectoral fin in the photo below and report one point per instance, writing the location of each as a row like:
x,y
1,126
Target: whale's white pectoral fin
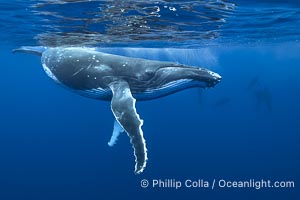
x,y
116,132
123,108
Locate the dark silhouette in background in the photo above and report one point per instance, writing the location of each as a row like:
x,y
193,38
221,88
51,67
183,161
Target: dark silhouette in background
x,y
221,102
261,94
263,97
254,82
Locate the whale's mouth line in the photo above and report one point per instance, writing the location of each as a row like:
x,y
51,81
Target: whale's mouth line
x,y
169,88
171,84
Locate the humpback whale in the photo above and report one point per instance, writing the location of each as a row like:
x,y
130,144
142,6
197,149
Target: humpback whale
x,y
121,80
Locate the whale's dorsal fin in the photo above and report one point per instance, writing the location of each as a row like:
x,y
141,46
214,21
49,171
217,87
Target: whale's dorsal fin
x,y
123,108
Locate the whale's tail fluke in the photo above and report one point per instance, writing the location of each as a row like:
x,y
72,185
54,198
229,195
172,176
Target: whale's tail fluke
x,y
38,50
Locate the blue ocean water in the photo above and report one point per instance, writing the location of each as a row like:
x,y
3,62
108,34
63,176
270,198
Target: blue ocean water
x,y
53,143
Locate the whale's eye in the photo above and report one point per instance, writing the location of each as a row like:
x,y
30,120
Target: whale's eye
x,y
149,73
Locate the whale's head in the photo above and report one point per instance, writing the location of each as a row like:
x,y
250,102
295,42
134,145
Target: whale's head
x,y
194,76
211,78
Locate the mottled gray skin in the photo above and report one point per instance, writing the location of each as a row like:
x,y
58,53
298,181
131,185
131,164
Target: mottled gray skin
x,y
121,80
84,69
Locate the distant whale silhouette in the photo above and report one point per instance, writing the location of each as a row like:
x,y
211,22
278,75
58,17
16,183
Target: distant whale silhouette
x,y
222,102
263,98
121,80
254,82
261,93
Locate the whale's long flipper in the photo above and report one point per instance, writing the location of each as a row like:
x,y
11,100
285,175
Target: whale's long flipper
x,y
116,132
123,108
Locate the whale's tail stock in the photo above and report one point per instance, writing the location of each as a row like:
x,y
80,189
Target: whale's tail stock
x,y
38,50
